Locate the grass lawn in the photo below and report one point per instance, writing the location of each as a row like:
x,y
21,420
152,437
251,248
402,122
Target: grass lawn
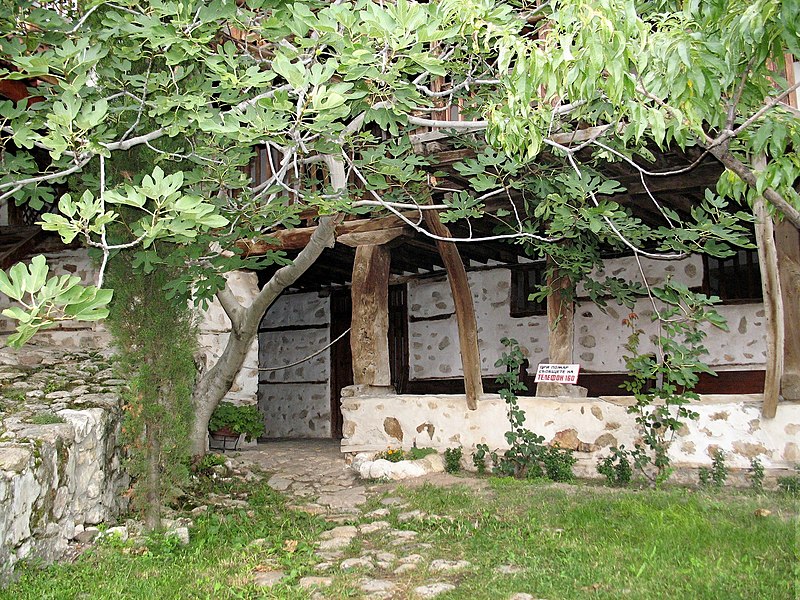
x,y
566,541
587,541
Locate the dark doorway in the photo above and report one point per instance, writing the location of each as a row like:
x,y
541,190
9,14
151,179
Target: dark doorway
x,y
342,360
398,337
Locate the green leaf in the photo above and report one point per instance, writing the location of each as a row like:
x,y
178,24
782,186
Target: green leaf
x,y
93,308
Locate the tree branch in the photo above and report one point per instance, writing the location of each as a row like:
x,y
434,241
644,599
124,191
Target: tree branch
x,y
19,184
323,237
747,175
231,306
460,125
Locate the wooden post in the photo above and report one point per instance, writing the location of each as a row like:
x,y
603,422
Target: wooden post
x,y
561,330
773,305
465,310
787,241
560,319
369,336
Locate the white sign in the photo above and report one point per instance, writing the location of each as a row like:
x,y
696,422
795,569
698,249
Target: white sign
x,y
552,373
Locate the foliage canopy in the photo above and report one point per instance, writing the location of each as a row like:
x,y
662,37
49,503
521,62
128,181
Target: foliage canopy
x,y
187,92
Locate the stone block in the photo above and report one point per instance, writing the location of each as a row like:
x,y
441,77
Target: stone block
x,y
14,459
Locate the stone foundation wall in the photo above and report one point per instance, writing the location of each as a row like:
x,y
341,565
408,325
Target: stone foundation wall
x,y
588,425
295,401
60,467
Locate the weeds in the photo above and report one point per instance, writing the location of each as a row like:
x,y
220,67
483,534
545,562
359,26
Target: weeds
x,y
790,484
418,453
452,460
395,455
756,475
717,475
46,418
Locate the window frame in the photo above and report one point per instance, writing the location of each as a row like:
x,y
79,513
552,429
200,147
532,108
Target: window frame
x,y
747,275
523,279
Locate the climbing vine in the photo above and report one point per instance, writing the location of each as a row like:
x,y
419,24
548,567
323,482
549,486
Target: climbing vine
x,y
527,456
155,339
662,381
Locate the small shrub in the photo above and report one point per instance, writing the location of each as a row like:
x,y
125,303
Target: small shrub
x,y
452,460
704,476
162,544
46,418
394,455
558,464
479,458
15,396
717,474
53,386
210,460
527,456
756,475
790,484
617,467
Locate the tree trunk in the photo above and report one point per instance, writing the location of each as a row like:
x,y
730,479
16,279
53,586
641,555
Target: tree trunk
x,y
369,337
212,385
152,517
773,307
788,247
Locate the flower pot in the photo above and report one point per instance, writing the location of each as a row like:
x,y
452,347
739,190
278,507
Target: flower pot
x,y
223,439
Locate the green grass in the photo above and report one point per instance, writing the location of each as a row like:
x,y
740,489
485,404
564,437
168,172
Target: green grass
x,y
219,562
46,418
593,542
569,541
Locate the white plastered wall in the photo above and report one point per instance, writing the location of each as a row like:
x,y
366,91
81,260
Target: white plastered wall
x,y
599,333
588,425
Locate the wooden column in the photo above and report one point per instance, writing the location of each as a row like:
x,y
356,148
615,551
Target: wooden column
x,y
773,306
787,241
560,319
465,310
369,336
561,330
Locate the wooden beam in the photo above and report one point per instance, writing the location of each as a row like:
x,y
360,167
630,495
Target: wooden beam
x,y
415,255
377,237
369,336
773,304
297,238
465,310
702,176
24,243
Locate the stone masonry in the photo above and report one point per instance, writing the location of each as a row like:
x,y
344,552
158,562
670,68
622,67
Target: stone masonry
x,y
60,470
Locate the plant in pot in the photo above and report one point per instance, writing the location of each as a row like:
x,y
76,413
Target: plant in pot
x,y
229,421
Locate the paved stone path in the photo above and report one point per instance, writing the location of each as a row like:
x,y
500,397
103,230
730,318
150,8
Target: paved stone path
x,y
314,475
309,469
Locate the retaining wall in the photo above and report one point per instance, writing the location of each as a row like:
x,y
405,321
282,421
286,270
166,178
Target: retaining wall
x,y
590,426
60,468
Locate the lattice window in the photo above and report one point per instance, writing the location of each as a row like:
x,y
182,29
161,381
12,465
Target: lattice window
x,y
525,280
735,278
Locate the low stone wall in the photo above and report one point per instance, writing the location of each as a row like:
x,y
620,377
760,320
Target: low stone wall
x,y
588,425
60,466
